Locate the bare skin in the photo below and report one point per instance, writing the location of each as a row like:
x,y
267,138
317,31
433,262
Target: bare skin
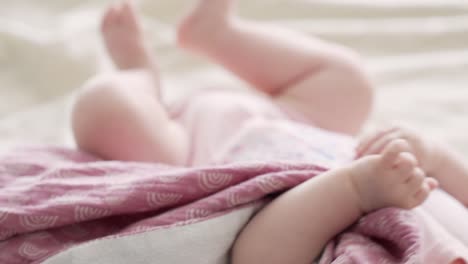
x,y
320,80
304,73
435,158
121,117
341,196
122,32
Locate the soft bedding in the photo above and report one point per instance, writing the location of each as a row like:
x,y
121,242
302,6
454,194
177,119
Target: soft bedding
x,y
59,205
416,51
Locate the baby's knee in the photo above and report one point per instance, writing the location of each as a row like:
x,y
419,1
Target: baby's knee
x,y
95,105
99,94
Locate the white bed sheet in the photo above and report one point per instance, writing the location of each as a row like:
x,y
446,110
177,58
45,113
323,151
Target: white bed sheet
x,y
417,52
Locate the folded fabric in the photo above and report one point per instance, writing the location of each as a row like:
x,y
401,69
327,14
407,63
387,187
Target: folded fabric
x,y
52,200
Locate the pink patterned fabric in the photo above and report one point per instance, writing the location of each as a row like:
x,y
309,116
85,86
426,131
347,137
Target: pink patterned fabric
x,y
53,198
395,236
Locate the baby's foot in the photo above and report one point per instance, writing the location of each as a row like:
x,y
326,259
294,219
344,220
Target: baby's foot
x,y
123,37
392,179
203,22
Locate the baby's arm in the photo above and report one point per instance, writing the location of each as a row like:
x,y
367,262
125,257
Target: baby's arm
x,y
436,158
296,226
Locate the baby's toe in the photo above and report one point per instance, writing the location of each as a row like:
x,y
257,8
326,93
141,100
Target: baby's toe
x,y
128,8
108,18
129,15
126,11
119,13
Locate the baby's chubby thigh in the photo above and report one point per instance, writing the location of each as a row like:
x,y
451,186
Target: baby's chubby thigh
x,y
448,212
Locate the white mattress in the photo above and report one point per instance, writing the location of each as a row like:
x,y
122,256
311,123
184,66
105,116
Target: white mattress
x,y
416,50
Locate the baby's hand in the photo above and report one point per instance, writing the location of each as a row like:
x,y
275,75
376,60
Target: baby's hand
x,y
423,148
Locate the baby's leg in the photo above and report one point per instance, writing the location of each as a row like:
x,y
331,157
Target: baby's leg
x,y
119,116
295,227
324,81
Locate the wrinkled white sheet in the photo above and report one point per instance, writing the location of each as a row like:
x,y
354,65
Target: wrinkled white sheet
x,y
416,50
206,242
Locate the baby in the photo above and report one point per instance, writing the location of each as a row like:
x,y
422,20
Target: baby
x,y
294,78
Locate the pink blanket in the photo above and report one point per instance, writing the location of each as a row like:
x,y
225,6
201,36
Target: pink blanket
x,y
52,199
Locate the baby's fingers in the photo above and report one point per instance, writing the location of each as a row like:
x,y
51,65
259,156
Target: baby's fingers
x,y
432,183
428,185
368,141
379,145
